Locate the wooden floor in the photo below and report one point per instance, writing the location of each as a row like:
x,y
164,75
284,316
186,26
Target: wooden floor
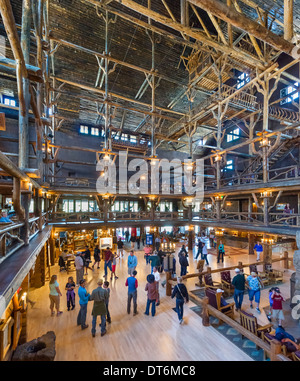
x,y
141,337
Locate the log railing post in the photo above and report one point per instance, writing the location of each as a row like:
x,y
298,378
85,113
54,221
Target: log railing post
x,y
168,285
205,314
275,350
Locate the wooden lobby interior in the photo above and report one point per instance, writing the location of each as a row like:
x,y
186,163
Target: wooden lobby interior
x,y
175,119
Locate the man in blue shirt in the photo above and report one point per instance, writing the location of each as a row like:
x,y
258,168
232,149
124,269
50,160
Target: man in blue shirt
x,y
132,284
132,262
259,249
83,302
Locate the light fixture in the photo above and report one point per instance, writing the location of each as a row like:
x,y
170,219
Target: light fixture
x,y
218,158
219,198
266,194
154,160
265,142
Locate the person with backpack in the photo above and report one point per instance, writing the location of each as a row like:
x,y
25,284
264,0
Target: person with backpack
x,y
152,294
181,294
183,261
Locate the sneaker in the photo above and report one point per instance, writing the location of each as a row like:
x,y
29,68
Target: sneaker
x,y
52,313
93,334
257,309
135,313
181,321
59,313
73,308
116,277
84,326
251,306
103,333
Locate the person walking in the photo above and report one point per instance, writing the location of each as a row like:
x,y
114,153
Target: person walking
x,y
181,294
114,265
70,286
106,287
83,302
199,245
79,265
100,298
277,312
120,249
132,284
131,262
238,283
97,258
254,284
259,249
152,295
143,238
147,251
86,256
204,253
138,242
108,261
132,240
183,261
127,235
54,295
157,243
221,252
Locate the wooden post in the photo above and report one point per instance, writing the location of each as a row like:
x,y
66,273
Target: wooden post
x,y
168,285
24,82
286,261
288,20
251,243
205,314
275,350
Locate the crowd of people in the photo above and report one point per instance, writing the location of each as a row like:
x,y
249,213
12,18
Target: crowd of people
x,y
154,256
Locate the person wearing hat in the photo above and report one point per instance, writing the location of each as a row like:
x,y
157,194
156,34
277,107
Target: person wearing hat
x,y
100,298
238,283
277,313
254,285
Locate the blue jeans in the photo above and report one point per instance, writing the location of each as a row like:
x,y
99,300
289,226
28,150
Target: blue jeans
x,y
254,294
204,256
107,265
238,297
183,270
103,323
81,317
179,308
150,302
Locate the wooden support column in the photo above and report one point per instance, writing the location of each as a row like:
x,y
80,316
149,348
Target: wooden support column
x,y
24,83
288,20
266,210
52,248
168,285
251,243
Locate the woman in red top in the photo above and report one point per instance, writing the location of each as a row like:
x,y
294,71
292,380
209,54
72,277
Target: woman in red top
x,y
277,305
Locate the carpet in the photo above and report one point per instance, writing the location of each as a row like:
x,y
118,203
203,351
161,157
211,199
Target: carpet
x,y
230,333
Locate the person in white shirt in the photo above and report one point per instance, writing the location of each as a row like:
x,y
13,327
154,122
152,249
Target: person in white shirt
x,y
157,279
79,265
204,253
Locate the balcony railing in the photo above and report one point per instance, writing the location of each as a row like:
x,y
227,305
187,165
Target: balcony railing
x,y
11,233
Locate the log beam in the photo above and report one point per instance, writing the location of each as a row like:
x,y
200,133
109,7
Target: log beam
x,y
238,20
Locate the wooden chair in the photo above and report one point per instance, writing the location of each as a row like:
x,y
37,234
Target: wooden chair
x,y
209,283
262,275
275,276
267,337
249,322
296,356
226,282
216,300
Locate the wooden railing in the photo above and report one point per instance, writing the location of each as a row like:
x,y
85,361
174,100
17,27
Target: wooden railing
x,y
11,233
273,350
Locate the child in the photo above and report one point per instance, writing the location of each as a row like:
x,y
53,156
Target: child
x,y
277,305
271,303
70,293
105,286
114,264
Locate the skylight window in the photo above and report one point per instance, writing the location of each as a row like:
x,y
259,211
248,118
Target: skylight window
x,y
233,135
289,90
242,80
84,130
